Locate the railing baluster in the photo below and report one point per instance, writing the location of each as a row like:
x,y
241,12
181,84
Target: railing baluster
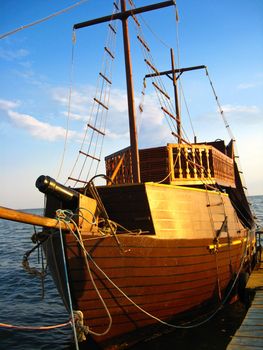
x,y
194,162
187,163
208,163
180,163
201,162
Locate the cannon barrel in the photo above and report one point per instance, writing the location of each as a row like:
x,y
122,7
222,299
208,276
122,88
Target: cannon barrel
x,y
47,185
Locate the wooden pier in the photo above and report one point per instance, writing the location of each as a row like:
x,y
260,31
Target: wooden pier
x,y
250,334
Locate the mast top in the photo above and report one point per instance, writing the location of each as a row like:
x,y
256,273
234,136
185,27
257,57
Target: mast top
x,y
124,14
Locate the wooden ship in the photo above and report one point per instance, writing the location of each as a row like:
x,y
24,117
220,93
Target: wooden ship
x,y
166,237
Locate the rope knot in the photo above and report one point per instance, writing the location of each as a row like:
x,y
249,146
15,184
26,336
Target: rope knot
x,y
79,325
63,214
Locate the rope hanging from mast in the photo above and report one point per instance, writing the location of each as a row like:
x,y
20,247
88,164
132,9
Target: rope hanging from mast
x,y
2,36
69,103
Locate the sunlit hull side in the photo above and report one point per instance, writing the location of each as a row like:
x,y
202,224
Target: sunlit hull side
x,y
164,276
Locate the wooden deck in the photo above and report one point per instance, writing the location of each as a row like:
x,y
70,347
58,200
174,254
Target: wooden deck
x,y
250,334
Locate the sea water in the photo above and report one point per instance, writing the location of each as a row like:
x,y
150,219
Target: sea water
x,y
21,301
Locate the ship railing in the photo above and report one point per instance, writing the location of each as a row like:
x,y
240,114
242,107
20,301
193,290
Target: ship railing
x,y
196,164
178,164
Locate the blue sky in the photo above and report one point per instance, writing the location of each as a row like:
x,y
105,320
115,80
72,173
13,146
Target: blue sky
x,y
35,66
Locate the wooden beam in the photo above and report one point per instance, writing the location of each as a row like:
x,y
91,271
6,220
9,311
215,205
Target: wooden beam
x,y
124,14
116,170
32,219
179,70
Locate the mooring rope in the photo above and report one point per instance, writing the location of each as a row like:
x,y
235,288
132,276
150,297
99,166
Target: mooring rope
x,y
35,328
68,287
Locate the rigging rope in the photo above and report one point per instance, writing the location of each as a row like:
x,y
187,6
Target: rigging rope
x,y
220,108
237,159
42,19
69,102
150,28
96,125
187,108
164,100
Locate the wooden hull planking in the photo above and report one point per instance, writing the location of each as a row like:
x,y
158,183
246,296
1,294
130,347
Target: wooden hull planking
x,y
176,268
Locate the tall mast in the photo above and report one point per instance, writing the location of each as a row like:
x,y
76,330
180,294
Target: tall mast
x,y
177,106
130,97
123,16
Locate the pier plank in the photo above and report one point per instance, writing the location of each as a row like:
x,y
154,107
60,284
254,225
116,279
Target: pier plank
x,y
250,333
250,328
248,341
256,278
249,336
243,347
254,322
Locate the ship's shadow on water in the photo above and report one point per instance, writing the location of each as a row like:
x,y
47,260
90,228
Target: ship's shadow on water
x,y
213,335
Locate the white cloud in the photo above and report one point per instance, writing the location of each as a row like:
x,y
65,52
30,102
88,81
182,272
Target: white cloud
x,y
7,104
81,109
80,99
152,119
34,127
76,116
118,101
10,55
28,74
152,111
83,99
37,128
244,86
116,136
241,109
252,85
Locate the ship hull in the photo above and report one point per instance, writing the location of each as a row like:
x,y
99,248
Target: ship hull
x,y
144,278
